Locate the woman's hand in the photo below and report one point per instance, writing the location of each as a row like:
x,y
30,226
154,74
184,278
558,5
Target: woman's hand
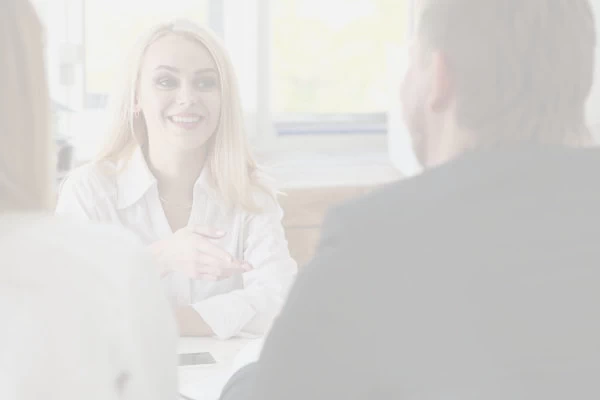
x,y
193,252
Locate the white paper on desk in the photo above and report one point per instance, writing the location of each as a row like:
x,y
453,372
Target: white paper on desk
x,y
204,390
210,387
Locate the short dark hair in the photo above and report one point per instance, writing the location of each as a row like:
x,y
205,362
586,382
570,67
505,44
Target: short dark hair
x,y
522,69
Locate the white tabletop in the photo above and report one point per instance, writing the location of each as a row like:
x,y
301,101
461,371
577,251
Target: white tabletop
x,y
204,382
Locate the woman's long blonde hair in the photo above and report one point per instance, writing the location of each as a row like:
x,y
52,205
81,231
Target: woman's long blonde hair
x,y
230,163
26,155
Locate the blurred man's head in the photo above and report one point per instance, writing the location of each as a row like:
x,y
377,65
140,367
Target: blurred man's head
x,y
487,72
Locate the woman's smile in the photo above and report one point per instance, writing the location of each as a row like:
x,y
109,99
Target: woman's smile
x,y
187,121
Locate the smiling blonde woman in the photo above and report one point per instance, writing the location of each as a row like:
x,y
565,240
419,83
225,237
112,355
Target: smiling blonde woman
x,y
177,170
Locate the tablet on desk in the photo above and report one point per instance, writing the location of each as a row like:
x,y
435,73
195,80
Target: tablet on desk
x,y
204,358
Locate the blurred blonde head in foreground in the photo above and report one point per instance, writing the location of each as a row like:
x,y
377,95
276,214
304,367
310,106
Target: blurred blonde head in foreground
x,y
78,321
25,143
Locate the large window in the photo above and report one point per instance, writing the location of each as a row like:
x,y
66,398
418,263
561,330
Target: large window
x,y
314,74
330,63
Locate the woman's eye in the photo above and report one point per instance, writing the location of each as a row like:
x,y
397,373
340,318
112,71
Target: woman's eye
x,y
166,83
206,83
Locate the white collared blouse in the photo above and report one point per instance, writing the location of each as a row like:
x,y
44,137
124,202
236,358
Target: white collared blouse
x,y
127,195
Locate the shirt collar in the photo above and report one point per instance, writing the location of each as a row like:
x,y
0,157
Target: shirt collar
x,y
136,179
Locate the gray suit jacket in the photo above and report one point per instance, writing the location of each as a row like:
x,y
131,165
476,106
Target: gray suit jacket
x,y
479,279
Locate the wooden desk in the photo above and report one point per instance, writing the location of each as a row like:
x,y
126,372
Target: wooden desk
x,y
304,212
316,181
